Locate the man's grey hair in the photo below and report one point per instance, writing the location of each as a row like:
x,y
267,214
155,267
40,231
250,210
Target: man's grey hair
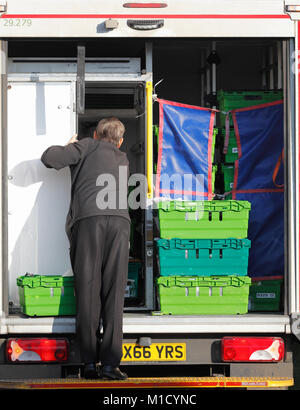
x,y
110,129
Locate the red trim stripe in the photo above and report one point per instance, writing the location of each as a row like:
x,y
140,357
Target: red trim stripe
x,y
298,136
177,104
148,16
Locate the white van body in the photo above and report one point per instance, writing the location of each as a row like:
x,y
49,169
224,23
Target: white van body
x,y
38,109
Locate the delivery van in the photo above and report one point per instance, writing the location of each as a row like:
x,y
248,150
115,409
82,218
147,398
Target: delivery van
x,y
64,66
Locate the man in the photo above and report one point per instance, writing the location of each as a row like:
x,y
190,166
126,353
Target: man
x,y
99,241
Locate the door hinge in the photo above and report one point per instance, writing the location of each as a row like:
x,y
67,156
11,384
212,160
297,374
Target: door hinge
x,y
80,79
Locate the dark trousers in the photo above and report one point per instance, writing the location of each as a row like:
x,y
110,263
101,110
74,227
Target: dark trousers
x,y
99,255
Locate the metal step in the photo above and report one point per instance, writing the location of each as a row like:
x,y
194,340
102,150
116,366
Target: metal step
x,y
149,382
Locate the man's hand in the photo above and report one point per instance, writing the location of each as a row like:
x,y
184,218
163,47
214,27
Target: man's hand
x,y
73,139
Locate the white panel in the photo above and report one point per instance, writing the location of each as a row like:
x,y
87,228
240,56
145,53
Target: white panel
x,y
178,27
144,323
39,115
85,18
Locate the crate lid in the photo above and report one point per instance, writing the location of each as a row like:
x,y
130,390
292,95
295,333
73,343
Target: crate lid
x,y
209,206
45,281
203,281
240,93
177,243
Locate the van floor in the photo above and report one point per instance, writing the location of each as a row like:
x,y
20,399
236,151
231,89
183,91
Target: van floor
x,y
145,323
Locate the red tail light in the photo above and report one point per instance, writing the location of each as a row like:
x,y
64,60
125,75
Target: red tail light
x,y
252,349
145,5
37,350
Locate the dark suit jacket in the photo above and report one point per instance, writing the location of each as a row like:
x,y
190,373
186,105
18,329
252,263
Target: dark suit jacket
x,y
99,173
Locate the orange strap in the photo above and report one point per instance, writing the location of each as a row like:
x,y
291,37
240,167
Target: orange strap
x,y
276,169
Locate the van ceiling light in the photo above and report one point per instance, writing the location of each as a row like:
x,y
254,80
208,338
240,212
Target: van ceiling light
x,y
145,5
292,8
145,24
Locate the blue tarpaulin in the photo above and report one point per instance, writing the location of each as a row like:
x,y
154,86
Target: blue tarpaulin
x,y
184,166
259,179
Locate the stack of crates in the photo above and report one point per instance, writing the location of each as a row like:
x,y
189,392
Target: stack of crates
x,y
200,274
264,295
230,100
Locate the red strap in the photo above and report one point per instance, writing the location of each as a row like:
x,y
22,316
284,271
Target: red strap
x,y
276,170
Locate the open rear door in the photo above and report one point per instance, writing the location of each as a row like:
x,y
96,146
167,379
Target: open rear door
x,y
40,114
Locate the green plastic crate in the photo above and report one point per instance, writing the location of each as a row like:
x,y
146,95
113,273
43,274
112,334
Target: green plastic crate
x,y
132,286
230,100
215,132
203,219
155,129
219,295
213,177
204,257
228,173
265,295
46,295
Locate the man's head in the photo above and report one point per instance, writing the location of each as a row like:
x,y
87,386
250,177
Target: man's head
x,y
111,130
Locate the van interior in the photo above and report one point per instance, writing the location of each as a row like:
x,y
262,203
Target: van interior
x,y
192,71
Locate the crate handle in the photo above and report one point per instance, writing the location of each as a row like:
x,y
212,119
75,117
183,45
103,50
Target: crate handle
x,y
252,97
56,282
189,207
184,243
164,243
237,282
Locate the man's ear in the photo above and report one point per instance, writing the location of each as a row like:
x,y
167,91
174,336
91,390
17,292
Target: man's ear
x,y
95,135
120,142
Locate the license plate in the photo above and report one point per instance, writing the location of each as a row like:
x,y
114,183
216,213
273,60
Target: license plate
x,y
155,352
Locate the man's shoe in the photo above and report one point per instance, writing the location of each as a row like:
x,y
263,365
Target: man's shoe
x,y
90,372
113,373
